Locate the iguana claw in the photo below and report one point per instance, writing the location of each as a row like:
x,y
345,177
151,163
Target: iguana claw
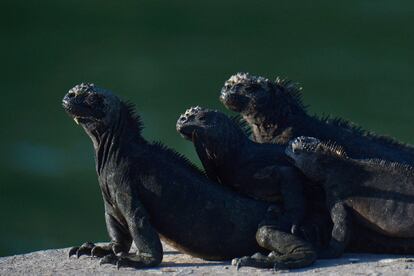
x,y
73,251
84,249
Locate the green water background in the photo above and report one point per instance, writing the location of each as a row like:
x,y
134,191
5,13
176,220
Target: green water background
x,y
353,58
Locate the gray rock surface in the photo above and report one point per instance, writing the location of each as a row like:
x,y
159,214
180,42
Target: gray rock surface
x,y
56,262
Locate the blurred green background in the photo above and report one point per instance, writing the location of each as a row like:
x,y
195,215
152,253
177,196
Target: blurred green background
x,y
354,59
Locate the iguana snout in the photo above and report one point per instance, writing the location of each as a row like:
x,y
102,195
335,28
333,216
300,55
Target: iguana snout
x,y
303,143
191,120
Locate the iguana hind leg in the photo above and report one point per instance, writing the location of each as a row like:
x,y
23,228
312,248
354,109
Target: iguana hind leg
x,y
287,251
341,232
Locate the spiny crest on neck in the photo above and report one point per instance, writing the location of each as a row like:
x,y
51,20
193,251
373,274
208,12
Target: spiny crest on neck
x,y
133,117
311,144
242,124
390,166
334,149
176,157
356,129
292,89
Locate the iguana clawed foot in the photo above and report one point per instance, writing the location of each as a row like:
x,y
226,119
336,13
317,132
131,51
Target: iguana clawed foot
x,y
90,249
127,260
259,260
84,249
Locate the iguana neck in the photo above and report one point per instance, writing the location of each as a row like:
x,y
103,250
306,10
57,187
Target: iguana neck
x,y
108,143
271,119
226,149
270,129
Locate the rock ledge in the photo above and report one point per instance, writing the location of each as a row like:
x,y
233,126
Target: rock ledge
x,y
56,262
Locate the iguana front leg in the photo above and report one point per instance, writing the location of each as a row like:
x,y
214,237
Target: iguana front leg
x,y
150,252
341,231
291,190
120,238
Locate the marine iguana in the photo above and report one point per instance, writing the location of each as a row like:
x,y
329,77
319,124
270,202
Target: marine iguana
x,y
372,193
229,157
150,191
261,171
276,113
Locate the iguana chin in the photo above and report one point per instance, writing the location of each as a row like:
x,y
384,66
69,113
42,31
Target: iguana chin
x,y
276,114
150,191
372,193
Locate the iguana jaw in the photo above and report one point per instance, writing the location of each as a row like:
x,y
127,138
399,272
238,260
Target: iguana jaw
x,y
301,152
313,157
77,112
233,101
83,120
187,132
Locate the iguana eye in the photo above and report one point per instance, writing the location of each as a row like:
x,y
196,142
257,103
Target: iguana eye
x,y
93,99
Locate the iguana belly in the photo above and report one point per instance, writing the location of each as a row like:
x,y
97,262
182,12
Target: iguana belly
x,y
390,217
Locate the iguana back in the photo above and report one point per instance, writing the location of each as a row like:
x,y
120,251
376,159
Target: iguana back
x,y
276,113
375,194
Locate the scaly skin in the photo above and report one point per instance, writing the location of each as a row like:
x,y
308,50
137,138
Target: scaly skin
x,y
150,191
374,194
261,171
276,114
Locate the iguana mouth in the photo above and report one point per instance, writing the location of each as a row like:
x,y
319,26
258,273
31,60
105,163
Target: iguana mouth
x,y
234,101
78,112
77,109
82,120
185,128
187,132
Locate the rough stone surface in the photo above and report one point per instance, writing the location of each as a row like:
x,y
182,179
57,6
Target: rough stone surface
x,y
56,262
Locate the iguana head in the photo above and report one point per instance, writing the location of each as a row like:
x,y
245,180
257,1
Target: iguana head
x,y
94,108
260,100
211,127
243,92
310,155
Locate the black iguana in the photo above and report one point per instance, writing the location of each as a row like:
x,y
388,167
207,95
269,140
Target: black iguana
x,y
373,194
276,114
261,171
150,191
